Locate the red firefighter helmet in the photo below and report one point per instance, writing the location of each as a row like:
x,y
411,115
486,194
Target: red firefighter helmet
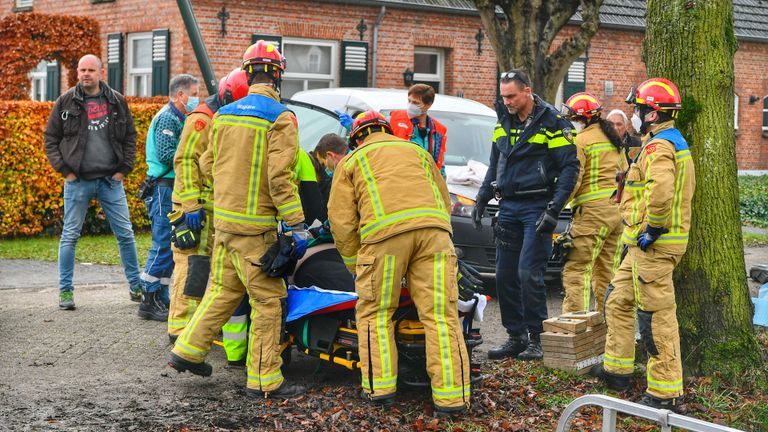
x,y
233,87
581,104
660,94
364,121
264,55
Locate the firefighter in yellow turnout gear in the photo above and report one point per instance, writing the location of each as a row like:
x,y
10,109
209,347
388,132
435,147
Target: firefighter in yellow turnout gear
x,y
255,149
389,215
596,224
656,212
192,192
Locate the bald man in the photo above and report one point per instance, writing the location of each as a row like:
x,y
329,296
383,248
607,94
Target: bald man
x,y
90,140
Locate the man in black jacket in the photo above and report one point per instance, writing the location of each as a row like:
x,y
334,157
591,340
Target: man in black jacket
x,y
91,140
534,163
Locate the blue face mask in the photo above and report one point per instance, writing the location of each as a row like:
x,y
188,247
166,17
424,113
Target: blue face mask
x,y
328,172
192,103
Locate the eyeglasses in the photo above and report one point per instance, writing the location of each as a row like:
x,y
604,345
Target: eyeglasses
x,y
513,76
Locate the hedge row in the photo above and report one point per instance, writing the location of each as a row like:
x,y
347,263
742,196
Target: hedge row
x,y
753,200
31,200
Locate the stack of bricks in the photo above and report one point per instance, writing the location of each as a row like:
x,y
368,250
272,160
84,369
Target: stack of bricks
x,y
574,342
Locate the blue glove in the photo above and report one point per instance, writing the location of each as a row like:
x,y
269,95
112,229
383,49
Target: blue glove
x,y
345,119
195,219
300,239
650,235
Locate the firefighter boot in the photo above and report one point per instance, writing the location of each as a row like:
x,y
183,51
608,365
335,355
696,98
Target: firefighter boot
x,y
285,391
612,381
152,307
203,369
671,404
511,348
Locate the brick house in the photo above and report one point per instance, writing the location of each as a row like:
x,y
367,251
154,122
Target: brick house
x,y
331,43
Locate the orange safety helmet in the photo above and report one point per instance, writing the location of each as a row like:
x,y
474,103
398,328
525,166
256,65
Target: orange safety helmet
x,y
265,54
364,121
581,104
660,94
233,87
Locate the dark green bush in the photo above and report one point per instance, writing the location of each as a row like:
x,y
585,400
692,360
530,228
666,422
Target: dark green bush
x,y
753,200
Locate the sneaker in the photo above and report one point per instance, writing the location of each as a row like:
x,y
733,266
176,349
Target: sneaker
x,y
511,348
671,404
180,365
612,381
285,391
66,300
532,351
152,308
383,401
135,293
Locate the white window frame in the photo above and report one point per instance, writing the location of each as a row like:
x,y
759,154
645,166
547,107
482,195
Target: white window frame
x,y
440,75
42,76
23,4
131,72
332,78
735,112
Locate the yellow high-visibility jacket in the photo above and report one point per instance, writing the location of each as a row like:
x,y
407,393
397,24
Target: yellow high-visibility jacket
x,y
385,187
600,161
190,191
659,190
255,148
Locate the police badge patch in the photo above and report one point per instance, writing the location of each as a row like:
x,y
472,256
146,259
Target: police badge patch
x,y
568,134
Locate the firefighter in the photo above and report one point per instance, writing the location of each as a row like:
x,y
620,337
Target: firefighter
x,y
656,212
596,224
384,235
255,150
192,196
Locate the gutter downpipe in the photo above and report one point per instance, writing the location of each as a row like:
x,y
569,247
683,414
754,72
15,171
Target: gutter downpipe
x,y
375,44
193,31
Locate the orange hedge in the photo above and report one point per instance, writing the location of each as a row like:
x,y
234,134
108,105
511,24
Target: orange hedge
x,y
31,200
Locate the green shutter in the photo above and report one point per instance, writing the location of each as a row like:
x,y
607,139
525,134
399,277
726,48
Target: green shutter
x,y
161,61
576,78
52,81
115,61
354,64
277,40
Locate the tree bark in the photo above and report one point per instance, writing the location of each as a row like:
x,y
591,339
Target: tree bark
x,y
692,43
522,38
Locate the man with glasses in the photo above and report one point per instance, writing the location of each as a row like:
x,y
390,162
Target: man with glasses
x,y
534,165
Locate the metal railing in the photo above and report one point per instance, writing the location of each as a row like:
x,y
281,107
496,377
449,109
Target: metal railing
x,y
612,406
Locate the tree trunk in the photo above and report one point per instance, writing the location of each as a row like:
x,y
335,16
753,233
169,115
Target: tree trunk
x,y
692,43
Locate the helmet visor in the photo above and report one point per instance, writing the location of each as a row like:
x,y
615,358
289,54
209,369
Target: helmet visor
x,y
631,97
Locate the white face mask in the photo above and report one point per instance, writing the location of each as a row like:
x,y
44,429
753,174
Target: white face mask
x,y
578,126
637,122
413,110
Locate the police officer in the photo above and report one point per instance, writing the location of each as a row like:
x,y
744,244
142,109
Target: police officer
x,y
255,149
534,163
596,224
656,212
384,235
192,196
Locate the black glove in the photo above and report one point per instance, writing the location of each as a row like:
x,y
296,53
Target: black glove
x,y
469,282
477,216
181,235
278,260
548,220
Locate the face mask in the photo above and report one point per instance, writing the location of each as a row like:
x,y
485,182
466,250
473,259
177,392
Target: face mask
x,y
578,126
328,172
414,110
637,122
192,103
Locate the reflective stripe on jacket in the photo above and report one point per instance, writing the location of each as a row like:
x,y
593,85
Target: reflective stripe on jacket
x,y
190,191
659,189
255,150
385,187
600,161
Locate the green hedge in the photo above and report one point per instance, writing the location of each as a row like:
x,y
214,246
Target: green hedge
x,y
753,200
31,200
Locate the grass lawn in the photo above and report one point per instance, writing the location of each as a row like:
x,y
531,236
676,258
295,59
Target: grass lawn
x,y
90,249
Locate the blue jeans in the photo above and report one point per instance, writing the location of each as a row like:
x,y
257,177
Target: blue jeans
x,y
521,259
157,272
111,196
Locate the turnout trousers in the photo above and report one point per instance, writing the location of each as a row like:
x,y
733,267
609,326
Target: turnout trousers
x,y
235,270
182,305
644,281
594,257
426,258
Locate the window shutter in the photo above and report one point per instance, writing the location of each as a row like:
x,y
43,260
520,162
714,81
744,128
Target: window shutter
x,y
354,67
277,40
161,62
52,81
576,78
115,61
765,116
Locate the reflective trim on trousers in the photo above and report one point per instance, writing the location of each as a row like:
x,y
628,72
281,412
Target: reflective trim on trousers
x,y
440,322
619,362
451,392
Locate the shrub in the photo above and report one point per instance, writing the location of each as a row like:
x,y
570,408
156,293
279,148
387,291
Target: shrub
x,y
753,200
31,200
